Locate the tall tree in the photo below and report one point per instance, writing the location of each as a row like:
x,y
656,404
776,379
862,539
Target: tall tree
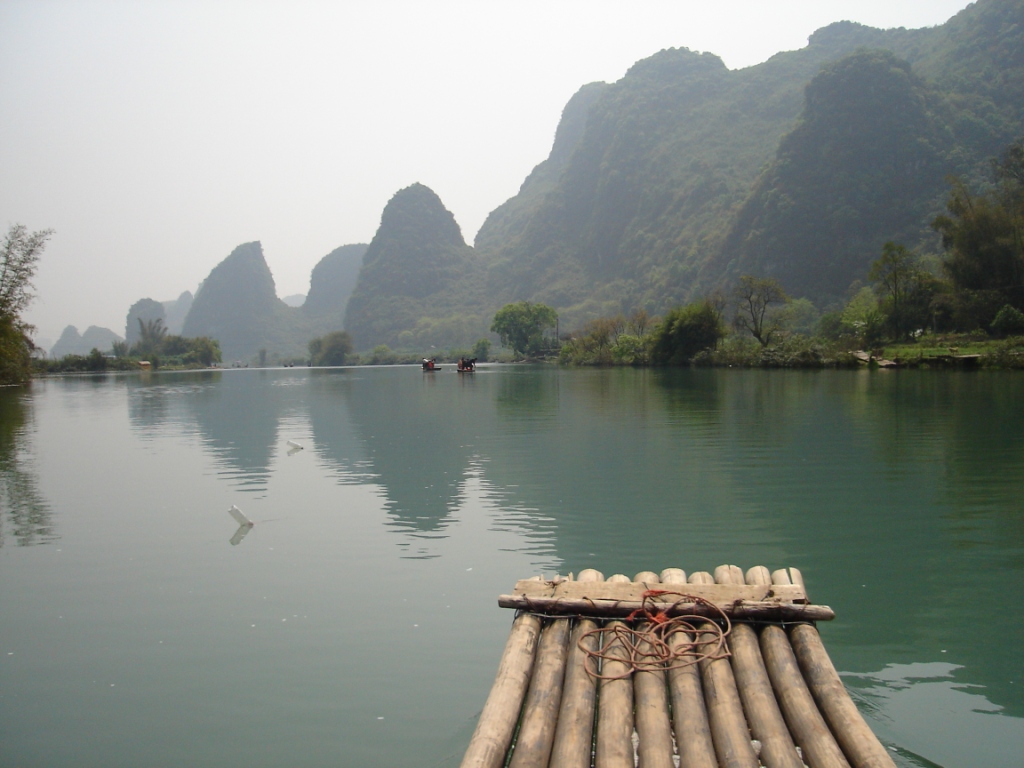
x,y
984,235
19,256
521,325
754,311
903,285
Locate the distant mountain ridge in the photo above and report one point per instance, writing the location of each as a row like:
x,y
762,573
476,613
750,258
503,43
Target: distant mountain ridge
x,y
681,177
668,185
71,343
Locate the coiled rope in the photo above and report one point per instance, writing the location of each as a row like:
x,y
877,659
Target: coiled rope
x,y
651,643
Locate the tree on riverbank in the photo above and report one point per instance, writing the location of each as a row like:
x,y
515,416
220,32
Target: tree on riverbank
x,y
332,349
686,331
521,326
984,240
756,312
19,256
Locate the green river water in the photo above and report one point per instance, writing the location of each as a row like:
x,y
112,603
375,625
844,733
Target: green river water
x,y
356,623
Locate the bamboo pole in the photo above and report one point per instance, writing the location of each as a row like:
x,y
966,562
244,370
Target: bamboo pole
x,y
574,735
862,747
651,704
725,712
614,748
497,723
808,727
689,717
540,711
755,689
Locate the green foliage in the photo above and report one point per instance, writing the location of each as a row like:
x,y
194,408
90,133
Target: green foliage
x,y
151,338
521,326
686,331
984,234
907,290
382,355
332,349
481,350
800,316
15,352
863,317
19,256
604,341
1009,321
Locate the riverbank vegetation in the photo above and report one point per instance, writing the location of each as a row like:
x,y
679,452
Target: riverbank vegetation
x,y
19,255
155,349
963,309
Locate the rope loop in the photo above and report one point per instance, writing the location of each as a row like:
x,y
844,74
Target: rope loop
x,y
654,640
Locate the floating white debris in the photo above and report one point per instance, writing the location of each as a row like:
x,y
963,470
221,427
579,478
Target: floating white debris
x,y
244,525
294,447
241,533
240,518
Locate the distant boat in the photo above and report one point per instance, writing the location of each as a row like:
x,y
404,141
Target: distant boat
x,y
430,365
466,365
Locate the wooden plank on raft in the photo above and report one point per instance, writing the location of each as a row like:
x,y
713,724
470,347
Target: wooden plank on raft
x,y
809,729
574,735
614,744
537,730
689,715
858,741
763,714
627,591
722,699
650,695
496,726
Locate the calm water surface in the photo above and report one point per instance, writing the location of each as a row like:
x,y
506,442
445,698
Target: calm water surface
x,y
356,624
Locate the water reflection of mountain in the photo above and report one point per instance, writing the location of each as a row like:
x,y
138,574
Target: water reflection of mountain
x,y
334,438
236,414
419,439
25,515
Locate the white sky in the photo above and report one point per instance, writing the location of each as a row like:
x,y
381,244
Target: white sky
x,y
156,135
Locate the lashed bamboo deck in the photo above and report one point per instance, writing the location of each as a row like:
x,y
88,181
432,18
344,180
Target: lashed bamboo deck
x,y
774,700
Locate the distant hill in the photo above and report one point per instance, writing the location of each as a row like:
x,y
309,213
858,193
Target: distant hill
x,y
295,300
332,282
71,343
420,284
238,305
176,311
146,310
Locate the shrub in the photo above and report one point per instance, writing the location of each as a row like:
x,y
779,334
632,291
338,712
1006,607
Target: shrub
x,y
1009,321
686,331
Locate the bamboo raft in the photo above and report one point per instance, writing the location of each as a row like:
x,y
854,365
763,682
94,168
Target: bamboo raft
x,y
567,694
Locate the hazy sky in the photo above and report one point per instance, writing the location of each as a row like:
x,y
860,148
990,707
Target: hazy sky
x,y
156,135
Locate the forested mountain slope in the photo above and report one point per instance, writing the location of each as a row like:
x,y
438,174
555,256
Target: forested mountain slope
x,y
420,283
687,174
